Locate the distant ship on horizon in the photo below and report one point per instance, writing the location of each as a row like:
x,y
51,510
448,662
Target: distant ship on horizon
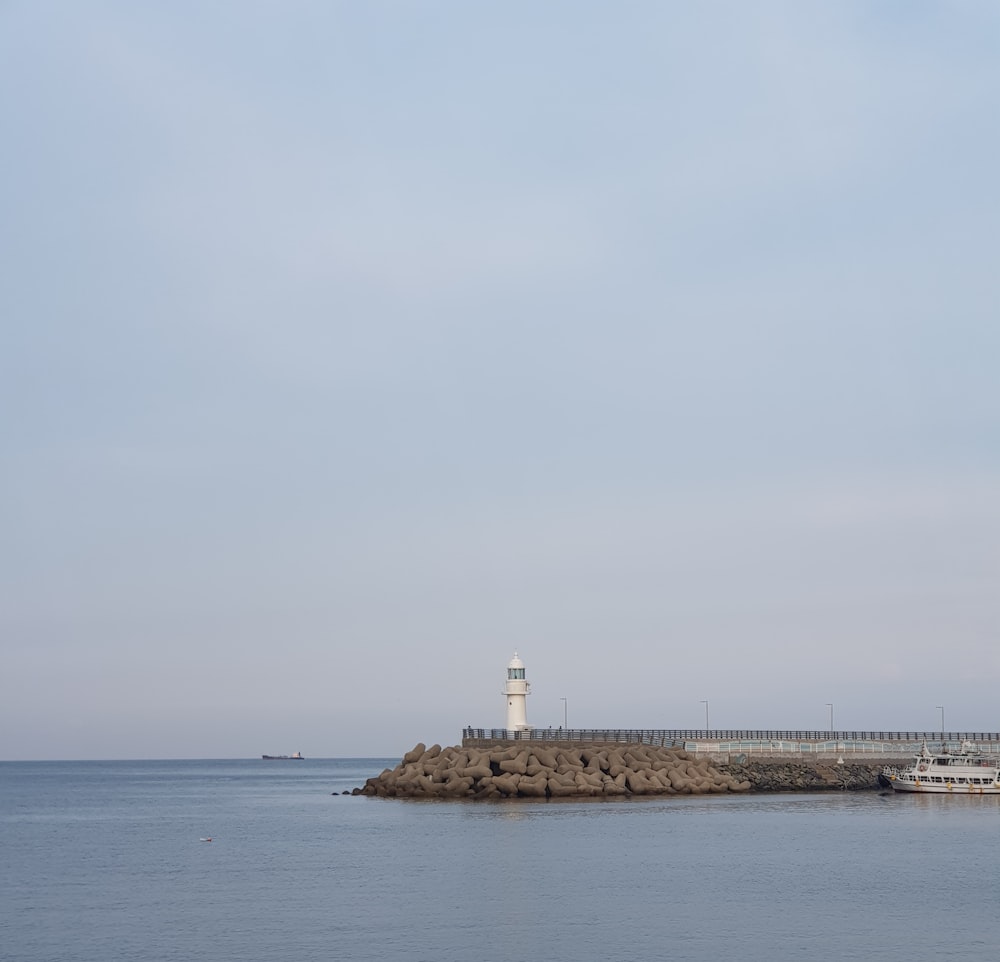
x,y
298,756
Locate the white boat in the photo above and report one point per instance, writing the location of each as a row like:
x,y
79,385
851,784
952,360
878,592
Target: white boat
x,y
965,772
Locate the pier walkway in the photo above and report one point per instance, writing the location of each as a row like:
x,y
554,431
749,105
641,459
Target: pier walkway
x,y
741,744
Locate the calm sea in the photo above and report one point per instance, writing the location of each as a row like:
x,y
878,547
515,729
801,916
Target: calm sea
x,y
103,861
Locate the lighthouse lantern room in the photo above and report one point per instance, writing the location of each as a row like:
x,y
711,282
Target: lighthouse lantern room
x,y
516,691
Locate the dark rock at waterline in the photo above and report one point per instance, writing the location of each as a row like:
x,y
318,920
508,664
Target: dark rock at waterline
x,y
781,775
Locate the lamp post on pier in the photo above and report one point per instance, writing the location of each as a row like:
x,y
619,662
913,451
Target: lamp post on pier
x,y
565,713
704,701
830,706
940,708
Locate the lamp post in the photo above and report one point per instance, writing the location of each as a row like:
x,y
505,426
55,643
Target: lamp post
x,y
940,708
829,705
704,701
565,713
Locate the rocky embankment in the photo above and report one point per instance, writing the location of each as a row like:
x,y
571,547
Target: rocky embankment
x,y
562,771
778,775
536,771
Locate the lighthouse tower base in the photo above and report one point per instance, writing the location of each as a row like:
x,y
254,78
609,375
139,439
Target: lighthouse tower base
x,y
516,691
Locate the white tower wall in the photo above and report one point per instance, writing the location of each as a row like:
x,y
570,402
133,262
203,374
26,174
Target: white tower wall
x,y
517,690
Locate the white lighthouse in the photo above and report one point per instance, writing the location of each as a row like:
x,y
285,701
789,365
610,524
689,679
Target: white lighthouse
x,y
517,694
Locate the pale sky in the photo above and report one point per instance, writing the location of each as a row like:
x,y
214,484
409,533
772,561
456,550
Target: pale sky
x,y
348,347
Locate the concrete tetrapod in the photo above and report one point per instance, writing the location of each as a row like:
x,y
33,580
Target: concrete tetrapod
x,y
504,771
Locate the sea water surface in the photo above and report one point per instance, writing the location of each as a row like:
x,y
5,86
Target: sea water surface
x,y
105,861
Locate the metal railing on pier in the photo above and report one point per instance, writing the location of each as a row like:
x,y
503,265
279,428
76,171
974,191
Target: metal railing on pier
x,y
753,741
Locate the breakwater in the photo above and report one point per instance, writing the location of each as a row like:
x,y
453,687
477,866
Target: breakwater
x,y
813,775
562,771
517,771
